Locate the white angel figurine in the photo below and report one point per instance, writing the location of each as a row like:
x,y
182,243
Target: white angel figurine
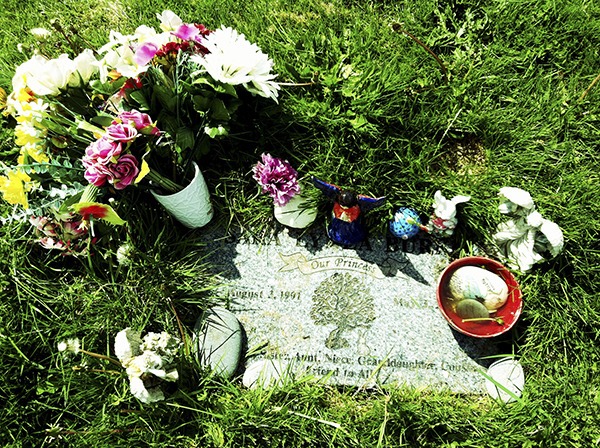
x,y
527,238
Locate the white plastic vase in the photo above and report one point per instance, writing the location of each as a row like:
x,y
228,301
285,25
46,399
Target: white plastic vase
x,y
297,213
190,206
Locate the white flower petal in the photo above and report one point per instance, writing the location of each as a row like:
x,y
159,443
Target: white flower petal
x,y
70,346
139,391
169,21
233,60
127,344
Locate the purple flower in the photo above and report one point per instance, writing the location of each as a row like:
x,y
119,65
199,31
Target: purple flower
x,y
277,178
187,32
145,53
121,132
124,172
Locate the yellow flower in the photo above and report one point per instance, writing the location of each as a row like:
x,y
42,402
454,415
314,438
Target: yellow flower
x,y
32,112
14,186
26,134
36,152
3,97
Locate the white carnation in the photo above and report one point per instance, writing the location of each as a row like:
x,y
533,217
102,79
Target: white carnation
x,y
233,60
139,391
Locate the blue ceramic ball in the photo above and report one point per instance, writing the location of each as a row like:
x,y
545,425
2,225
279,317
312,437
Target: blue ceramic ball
x,y
400,225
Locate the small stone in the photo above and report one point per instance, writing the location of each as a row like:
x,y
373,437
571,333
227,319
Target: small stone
x,y
473,282
471,309
266,373
508,373
218,341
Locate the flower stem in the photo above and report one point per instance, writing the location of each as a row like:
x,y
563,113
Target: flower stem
x,y
498,320
99,356
163,182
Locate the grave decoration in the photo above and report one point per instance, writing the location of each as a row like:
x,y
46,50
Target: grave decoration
x,y
443,219
149,362
140,111
526,238
407,223
347,226
279,180
479,297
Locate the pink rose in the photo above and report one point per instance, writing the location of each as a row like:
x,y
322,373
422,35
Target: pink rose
x,y
121,132
102,151
140,121
96,174
124,172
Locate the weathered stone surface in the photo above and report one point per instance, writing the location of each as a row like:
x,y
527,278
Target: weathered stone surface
x,y
352,316
218,341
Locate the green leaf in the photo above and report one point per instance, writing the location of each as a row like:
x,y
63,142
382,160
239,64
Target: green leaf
x,y
216,131
102,120
218,110
107,88
184,138
168,123
201,103
139,97
166,97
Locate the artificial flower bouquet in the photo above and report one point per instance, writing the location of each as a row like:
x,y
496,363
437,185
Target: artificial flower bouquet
x,y
138,111
149,361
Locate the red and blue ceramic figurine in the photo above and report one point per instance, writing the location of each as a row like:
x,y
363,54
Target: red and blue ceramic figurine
x,y
347,226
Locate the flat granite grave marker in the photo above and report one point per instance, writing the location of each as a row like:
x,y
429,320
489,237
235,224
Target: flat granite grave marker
x,y
351,316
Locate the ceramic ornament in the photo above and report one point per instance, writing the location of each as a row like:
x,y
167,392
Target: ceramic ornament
x,y
443,220
406,223
347,225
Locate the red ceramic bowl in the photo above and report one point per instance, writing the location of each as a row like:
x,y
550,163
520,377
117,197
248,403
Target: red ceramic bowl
x,y
509,312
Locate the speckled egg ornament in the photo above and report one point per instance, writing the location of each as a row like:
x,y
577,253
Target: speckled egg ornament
x,y
406,223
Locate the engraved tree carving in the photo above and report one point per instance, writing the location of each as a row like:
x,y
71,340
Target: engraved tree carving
x,y
342,300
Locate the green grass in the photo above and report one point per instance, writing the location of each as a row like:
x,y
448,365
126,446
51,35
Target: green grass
x,y
377,115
